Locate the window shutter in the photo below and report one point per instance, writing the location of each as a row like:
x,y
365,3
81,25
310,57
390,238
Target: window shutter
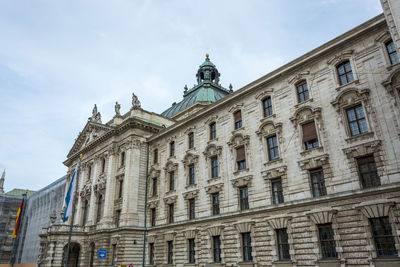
x,y
237,116
309,132
240,154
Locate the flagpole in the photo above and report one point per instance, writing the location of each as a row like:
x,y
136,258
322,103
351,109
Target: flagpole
x,y
73,212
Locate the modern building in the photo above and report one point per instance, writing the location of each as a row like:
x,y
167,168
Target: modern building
x,y
298,168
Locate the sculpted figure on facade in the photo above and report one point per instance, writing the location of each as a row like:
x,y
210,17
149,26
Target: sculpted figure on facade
x,y
135,101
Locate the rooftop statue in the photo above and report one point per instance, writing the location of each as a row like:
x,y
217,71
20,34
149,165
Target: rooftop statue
x,y
135,101
96,116
117,109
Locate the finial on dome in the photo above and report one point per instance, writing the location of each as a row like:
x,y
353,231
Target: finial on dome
x,y
207,55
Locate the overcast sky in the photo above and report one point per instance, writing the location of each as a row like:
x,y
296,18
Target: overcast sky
x,y
58,58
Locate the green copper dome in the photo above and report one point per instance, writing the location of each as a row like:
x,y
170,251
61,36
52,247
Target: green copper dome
x,y
207,90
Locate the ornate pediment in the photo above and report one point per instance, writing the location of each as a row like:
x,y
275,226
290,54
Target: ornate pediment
x,y
190,158
92,131
239,139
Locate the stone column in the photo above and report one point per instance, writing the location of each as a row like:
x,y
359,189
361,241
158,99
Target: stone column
x,y
93,199
129,214
110,192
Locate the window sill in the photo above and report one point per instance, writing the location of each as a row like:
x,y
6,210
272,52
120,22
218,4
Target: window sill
x,y
283,263
212,140
237,172
238,130
268,117
190,186
359,137
214,179
315,150
329,262
390,67
273,162
304,102
246,264
171,157
339,88
170,192
191,150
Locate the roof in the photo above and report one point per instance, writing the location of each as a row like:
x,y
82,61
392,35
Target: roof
x,y
205,92
19,192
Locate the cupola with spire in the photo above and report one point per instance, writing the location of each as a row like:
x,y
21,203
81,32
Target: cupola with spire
x,y
207,90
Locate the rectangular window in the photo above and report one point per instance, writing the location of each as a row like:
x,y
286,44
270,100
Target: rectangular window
x,y
277,192
120,187
238,119
368,173
155,156
192,207
246,246
153,217
215,203
327,242
213,131
103,165
191,140
310,138
171,181
99,208
217,248
122,159
318,183
170,252
192,252
283,244
191,174
171,213
85,212
240,158
345,73
214,167
391,49
154,187
302,92
383,237
151,253
172,149
273,151
244,198
114,254
267,106
357,120
118,217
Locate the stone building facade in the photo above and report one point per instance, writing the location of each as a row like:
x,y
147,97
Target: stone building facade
x,y
298,168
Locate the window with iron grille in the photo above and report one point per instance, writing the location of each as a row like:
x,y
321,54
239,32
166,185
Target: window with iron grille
x,y
171,213
118,217
217,248
151,253
368,172
191,174
214,167
155,156
172,148
273,151
244,198
192,206
215,203
283,244
383,237
213,131
302,91
85,211
170,252
345,73
191,140
99,208
120,187
277,192
318,183
267,106
171,181
241,158
357,121
114,253
327,242
192,252
154,187
310,138
246,246
238,119
391,50
153,217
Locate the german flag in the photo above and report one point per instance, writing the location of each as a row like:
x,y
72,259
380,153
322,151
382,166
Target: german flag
x,y
17,221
